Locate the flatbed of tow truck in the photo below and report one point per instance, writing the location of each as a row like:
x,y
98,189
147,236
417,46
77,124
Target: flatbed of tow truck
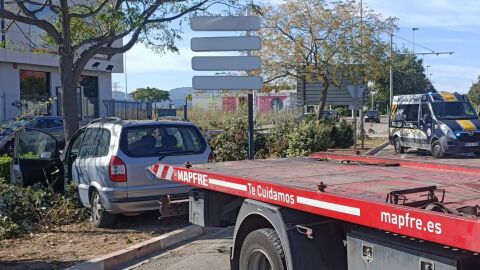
x,y
431,202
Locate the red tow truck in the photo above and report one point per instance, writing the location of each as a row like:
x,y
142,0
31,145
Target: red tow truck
x,y
339,212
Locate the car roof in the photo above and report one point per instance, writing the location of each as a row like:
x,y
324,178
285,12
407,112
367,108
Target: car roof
x,y
138,123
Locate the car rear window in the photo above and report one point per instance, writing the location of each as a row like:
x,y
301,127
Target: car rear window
x,y
157,140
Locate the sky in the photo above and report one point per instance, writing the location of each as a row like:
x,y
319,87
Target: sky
x,y
444,25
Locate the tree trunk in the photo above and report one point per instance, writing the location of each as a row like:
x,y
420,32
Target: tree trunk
x,y
323,101
69,97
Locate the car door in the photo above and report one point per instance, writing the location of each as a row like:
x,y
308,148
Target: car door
x,y
36,159
425,126
70,153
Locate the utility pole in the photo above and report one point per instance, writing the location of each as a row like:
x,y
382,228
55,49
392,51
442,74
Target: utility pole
x,y
115,87
413,38
362,119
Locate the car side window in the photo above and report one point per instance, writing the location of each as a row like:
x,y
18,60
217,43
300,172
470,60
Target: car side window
x,y
95,143
39,123
55,123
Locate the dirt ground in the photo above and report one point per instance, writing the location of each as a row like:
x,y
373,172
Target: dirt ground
x,y
60,247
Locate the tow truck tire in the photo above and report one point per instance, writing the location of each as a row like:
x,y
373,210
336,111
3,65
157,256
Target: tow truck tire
x,y
100,217
261,250
437,149
399,149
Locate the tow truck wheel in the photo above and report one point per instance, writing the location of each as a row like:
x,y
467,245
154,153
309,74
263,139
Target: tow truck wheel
x,y
262,250
437,150
100,217
399,149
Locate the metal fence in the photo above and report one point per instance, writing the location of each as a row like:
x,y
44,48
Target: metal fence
x,y
132,110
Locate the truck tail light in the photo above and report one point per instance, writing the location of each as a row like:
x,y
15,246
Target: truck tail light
x,y
211,157
117,170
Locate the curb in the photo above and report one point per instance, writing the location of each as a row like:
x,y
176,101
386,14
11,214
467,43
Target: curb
x,y
117,258
377,149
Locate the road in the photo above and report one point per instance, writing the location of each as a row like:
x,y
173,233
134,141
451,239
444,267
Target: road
x,y
210,252
464,159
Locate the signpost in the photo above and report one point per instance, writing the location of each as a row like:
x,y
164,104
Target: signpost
x,y
228,63
356,91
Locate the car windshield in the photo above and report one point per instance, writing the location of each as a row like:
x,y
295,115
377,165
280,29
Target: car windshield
x,y
372,113
15,124
454,110
158,140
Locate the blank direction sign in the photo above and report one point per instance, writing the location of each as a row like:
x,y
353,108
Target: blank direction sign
x,y
211,44
225,23
221,63
227,82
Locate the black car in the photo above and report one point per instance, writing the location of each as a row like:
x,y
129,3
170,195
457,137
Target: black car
x,y
50,124
372,116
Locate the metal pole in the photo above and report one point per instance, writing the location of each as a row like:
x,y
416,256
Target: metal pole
x,y
251,149
126,83
391,72
355,118
185,113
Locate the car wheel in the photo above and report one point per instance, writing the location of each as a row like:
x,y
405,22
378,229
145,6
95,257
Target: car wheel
x,y
100,217
262,250
437,149
397,144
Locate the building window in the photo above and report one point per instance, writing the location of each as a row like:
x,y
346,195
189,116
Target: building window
x,y
34,92
89,97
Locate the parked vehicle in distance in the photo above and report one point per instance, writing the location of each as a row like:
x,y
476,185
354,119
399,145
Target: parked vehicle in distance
x,y
441,123
108,160
372,116
330,115
50,124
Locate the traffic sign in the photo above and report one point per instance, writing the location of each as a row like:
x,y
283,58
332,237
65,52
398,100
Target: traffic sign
x,y
219,63
227,82
211,44
356,91
225,23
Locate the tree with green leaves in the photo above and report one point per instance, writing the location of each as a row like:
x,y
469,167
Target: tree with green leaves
x,y
150,94
77,31
322,42
408,78
474,92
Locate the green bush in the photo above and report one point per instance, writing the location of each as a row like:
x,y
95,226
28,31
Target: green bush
x,y
309,136
23,209
232,143
342,135
5,167
277,139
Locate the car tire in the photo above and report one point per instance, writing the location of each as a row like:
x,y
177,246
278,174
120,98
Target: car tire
x,y
100,217
262,249
437,149
397,144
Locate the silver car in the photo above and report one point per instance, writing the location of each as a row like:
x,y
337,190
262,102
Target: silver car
x,y
108,160
110,165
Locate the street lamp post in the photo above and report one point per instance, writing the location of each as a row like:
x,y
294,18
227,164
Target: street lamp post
x,y
413,34
427,72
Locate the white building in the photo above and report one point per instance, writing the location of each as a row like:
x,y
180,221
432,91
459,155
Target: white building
x,y
28,78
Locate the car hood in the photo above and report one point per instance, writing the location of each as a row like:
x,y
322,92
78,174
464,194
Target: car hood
x,y
463,125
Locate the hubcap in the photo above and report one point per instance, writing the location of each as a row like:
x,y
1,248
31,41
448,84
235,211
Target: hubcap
x,y
259,261
437,149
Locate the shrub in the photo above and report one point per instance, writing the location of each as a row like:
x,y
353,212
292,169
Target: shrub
x,y
23,209
232,143
5,167
342,135
277,139
309,136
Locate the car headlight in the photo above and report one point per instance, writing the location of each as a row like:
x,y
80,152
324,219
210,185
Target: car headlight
x,y
447,131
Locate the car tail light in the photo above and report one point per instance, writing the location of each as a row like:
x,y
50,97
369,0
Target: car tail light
x,y
211,157
117,170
